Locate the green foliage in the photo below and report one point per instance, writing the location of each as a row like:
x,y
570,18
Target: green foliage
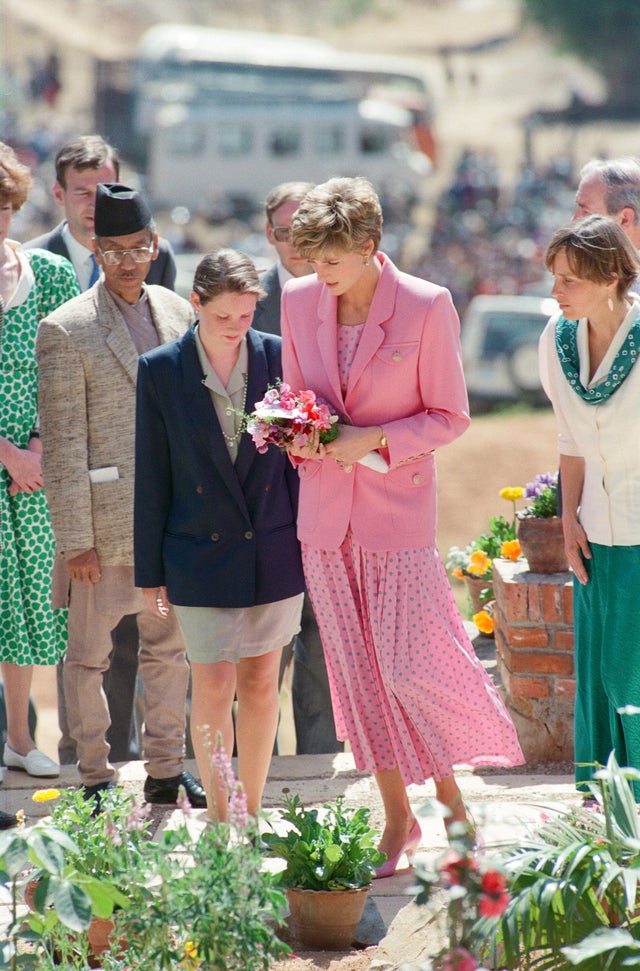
x,y
213,907
330,850
604,33
576,878
542,506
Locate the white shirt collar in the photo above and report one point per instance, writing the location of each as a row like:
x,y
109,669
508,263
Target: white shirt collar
x,y
80,256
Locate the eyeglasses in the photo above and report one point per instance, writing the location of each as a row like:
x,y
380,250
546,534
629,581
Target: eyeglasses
x,y
281,234
114,257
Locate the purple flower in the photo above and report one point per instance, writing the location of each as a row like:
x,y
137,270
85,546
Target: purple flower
x,y
544,480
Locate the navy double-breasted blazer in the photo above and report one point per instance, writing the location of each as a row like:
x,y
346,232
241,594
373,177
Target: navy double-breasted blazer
x,y
214,533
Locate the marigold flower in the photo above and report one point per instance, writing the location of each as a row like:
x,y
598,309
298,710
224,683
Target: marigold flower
x,y
512,493
45,795
479,563
510,550
484,622
457,573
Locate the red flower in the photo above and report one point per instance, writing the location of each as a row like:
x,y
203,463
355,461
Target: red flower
x,y
459,960
455,867
495,898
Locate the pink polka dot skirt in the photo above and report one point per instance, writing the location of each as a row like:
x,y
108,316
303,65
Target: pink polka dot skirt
x,y
406,685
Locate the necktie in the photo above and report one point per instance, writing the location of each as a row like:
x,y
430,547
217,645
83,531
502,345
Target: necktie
x,y
95,271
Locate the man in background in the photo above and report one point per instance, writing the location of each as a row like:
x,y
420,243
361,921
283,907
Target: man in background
x,y
79,166
611,187
311,696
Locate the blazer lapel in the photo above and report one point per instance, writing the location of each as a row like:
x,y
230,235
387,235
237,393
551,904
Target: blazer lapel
x,y
118,338
203,418
327,338
258,381
381,310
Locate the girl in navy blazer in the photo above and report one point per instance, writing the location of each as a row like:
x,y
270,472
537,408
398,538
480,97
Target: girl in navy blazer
x,y
215,534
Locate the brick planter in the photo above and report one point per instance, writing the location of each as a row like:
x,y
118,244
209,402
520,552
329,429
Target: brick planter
x,y
534,653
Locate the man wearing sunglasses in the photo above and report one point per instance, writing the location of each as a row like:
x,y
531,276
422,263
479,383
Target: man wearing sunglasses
x,y
88,359
279,207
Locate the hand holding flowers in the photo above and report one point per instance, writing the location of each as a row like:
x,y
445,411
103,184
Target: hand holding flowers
x,y
303,424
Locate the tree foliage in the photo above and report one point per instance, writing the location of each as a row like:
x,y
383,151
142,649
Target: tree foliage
x,y
604,33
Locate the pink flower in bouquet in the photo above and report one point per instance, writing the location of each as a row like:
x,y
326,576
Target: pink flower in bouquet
x,y
284,418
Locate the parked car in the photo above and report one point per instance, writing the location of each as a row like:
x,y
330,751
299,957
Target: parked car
x,y
500,348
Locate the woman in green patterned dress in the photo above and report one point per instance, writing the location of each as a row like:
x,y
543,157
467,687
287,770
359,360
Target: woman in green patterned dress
x,y
32,285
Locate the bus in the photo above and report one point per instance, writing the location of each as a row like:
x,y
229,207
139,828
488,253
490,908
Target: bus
x,y
231,113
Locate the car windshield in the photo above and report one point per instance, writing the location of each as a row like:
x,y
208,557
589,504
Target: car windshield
x,y
504,331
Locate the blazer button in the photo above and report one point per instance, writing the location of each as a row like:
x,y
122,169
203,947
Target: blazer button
x,y
416,479
347,468
248,534
215,537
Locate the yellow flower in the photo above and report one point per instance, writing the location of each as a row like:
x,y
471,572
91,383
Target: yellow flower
x,y
479,563
510,550
484,622
512,493
45,795
191,949
457,573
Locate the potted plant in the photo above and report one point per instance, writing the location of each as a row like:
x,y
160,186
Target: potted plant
x,y
474,563
574,885
540,528
194,896
330,858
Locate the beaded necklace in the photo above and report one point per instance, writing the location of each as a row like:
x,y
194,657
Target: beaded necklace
x,y
237,418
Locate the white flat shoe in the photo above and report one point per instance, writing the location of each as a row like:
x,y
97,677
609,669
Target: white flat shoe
x,y
36,763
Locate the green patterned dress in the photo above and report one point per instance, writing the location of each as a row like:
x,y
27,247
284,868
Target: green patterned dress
x,y
31,632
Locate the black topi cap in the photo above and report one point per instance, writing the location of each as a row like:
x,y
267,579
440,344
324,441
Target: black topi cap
x,y
120,210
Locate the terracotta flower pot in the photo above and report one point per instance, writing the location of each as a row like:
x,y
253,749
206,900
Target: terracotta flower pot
x,y
326,919
475,586
542,542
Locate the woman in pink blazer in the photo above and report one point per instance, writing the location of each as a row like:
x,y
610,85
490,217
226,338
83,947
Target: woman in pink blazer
x,y
382,349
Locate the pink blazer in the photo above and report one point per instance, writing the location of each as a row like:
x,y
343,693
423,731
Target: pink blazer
x,y
407,377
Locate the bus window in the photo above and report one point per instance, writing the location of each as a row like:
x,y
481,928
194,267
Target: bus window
x,y
285,141
374,140
329,140
234,139
185,140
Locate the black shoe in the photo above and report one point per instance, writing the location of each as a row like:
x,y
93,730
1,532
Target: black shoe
x,y
95,792
165,791
7,820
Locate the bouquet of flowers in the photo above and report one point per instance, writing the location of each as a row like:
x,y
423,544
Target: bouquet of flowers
x,y
285,418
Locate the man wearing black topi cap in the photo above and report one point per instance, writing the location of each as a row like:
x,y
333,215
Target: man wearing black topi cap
x,y
88,359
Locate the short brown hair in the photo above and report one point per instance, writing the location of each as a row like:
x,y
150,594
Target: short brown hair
x,y
342,214
597,249
226,271
15,178
85,152
285,192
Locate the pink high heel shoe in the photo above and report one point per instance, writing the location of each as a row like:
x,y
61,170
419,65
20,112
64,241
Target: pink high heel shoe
x,y
390,865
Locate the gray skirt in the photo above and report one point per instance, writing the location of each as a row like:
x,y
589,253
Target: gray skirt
x,y
213,634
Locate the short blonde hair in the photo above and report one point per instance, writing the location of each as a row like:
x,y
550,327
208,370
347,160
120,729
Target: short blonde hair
x,y
597,249
15,178
341,214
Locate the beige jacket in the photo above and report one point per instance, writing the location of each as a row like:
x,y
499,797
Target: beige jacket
x,y
87,395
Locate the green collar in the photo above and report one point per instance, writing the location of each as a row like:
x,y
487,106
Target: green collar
x,y
567,350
